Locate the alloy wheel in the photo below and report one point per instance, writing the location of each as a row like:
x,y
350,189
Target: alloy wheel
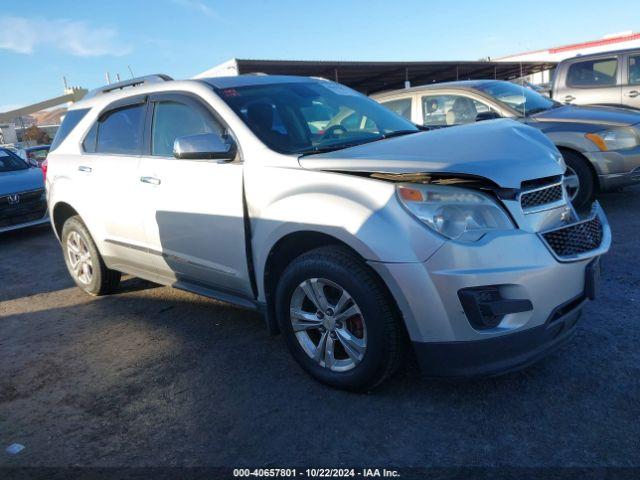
x,y
79,258
328,324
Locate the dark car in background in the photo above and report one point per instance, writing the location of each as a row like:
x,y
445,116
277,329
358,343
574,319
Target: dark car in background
x,y
22,196
600,144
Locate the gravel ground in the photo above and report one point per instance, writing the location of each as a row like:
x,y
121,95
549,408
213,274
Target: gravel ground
x,y
155,376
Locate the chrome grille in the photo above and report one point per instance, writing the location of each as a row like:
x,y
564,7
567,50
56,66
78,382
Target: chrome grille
x,y
575,239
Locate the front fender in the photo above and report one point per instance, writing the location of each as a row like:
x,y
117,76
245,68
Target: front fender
x,y
360,212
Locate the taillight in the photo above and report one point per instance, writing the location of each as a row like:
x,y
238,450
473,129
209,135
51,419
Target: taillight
x,y
43,166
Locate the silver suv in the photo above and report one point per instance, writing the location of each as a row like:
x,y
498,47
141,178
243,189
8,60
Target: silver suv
x,y
352,231
609,78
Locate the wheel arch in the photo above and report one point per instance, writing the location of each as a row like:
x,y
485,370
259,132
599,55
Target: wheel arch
x,y
286,250
588,162
61,212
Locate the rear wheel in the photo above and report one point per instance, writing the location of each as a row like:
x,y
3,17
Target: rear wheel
x,y
338,320
579,180
84,262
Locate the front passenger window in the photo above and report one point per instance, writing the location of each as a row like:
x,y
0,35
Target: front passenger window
x,y
172,120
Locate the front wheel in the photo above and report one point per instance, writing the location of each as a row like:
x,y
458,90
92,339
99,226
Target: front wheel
x,y
338,320
579,180
84,261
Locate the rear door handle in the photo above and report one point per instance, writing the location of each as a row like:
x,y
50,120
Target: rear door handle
x,y
151,180
569,98
82,168
633,93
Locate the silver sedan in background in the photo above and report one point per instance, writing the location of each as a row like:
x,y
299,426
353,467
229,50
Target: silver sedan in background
x,y
600,145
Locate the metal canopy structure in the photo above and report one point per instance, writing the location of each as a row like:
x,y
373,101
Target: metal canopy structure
x,y
372,77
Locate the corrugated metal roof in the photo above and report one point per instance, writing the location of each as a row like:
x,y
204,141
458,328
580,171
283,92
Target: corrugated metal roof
x,y
372,77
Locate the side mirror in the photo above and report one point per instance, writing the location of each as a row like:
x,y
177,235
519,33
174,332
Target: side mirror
x,y
207,146
490,115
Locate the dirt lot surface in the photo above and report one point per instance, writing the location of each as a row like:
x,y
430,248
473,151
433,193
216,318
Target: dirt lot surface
x,y
155,376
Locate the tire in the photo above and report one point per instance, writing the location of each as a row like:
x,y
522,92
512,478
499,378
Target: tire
x,y
80,249
373,322
587,186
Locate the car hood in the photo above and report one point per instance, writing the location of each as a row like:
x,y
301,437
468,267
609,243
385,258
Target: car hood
x,y
503,151
21,181
593,115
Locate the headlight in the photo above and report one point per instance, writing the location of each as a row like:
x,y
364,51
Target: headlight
x,y
615,139
454,212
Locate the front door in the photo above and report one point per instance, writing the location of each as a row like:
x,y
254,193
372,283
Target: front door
x,y
193,209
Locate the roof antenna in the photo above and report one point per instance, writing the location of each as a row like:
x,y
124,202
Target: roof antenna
x,y
118,77
130,71
107,77
524,103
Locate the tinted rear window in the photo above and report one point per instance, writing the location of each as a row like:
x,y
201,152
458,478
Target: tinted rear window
x,y
71,119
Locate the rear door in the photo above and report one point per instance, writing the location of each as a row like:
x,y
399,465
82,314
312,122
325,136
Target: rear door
x,y
593,81
631,86
193,209
113,148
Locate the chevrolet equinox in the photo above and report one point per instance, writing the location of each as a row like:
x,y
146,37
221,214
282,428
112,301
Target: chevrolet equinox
x,y
354,232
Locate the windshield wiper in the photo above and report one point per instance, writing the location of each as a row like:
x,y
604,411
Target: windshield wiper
x,y
332,148
533,111
340,146
398,133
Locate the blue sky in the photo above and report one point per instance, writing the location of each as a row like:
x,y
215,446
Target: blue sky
x,y
42,40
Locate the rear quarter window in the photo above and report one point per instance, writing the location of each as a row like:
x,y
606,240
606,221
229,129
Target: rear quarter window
x,y
71,119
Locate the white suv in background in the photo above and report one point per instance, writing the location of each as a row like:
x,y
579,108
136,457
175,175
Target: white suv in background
x,y
352,231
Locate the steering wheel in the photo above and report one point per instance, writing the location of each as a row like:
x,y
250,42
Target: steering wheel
x,y
332,132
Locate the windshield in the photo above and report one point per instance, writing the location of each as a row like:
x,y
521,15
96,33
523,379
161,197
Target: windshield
x,y
310,117
522,99
9,161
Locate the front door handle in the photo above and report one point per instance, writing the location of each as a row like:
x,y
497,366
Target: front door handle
x,y
569,98
633,93
82,168
151,180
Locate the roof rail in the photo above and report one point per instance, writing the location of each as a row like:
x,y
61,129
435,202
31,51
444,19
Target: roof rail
x,y
134,82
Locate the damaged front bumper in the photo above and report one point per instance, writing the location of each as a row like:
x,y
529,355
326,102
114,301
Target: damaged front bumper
x,y
509,269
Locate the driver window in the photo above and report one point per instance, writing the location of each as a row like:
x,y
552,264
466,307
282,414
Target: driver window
x,y
172,120
449,110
